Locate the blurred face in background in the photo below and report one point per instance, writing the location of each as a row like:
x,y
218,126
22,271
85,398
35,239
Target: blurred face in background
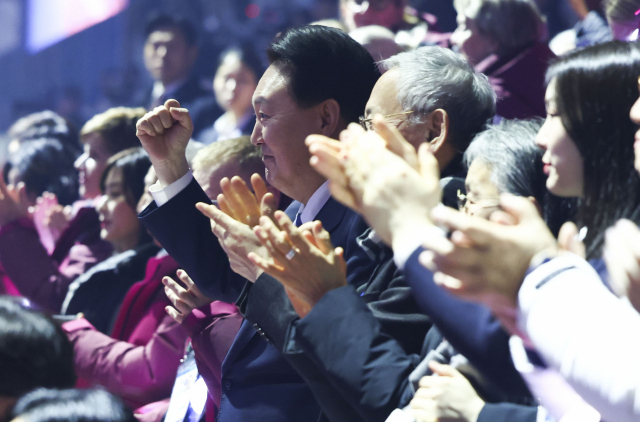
x,y
358,13
91,164
167,55
119,222
234,84
469,41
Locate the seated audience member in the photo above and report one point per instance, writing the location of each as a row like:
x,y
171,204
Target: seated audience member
x,y
378,40
170,52
235,80
318,81
43,165
623,18
44,124
47,276
72,406
139,360
592,28
503,39
99,292
432,95
581,139
212,326
34,353
409,25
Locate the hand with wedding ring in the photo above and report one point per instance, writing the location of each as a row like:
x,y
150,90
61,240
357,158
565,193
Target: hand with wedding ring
x,y
240,210
302,258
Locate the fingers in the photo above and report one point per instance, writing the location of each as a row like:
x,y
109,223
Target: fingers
x,y
326,161
269,267
428,163
443,370
323,239
294,235
259,186
268,205
177,295
225,207
395,141
240,200
478,230
519,207
279,239
179,114
343,195
177,316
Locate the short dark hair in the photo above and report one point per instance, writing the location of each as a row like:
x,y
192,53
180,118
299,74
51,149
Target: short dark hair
x,y
45,165
159,21
46,124
116,126
595,90
325,63
34,351
73,405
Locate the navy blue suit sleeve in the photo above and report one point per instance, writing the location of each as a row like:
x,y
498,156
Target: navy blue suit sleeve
x,y
470,328
507,412
369,368
186,234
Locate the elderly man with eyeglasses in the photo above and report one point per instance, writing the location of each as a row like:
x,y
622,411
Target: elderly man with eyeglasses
x,y
433,95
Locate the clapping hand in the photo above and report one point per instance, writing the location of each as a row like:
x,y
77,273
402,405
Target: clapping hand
x,y
302,259
484,260
380,176
446,397
14,202
184,300
622,256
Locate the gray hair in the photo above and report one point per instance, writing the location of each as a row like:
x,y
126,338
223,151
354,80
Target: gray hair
x,y
512,24
509,149
435,77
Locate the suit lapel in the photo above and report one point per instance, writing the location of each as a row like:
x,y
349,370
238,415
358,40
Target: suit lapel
x,y
243,337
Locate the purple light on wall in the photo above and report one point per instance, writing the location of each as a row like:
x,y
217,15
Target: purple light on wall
x,y
51,21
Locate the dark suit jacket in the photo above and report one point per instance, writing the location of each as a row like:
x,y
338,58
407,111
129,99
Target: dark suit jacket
x,y
257,383
357,352
380,289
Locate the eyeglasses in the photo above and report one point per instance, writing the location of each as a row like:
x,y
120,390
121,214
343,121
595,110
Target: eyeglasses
x,y
367,123
490,202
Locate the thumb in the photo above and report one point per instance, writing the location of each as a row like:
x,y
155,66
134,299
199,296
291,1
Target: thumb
x,y
443,370
427,162
268,205
395,141
519,207
568,239
181,115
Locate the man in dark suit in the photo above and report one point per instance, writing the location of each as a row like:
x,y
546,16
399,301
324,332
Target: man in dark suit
x,y
318,82
170,52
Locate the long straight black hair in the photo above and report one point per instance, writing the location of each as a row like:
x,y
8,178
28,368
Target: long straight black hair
x,y
595,90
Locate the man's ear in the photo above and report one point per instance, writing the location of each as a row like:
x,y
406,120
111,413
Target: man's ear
x,y
330,119
438,123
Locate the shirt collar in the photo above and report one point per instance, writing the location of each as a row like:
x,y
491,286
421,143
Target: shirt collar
x,y
315,203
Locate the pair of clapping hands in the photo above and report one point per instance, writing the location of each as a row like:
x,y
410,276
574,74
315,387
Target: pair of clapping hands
x,y
258,239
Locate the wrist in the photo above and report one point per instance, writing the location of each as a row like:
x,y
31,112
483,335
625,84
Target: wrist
x,y
169,171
